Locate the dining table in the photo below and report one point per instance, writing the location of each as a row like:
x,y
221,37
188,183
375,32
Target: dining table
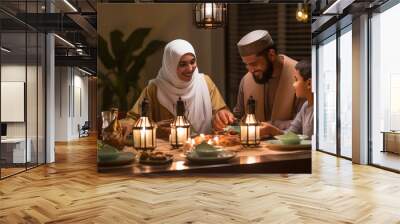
x,y
263,158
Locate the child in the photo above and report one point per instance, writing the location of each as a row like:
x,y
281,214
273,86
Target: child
x,y
303,122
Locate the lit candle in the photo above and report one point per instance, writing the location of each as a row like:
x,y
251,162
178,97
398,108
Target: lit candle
x,y
182,136
143,137
144,130
192,143
188,145
216,140
250,128
250,134
178,136
202,137
251,160
180,127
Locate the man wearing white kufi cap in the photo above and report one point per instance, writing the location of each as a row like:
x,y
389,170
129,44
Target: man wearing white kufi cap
x,y
269,80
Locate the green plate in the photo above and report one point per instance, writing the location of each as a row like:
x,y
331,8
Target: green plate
x,y
122,158
220,158
277,144
291,140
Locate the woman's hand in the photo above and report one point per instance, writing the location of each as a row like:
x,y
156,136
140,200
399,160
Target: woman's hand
x,y
127,128
222,118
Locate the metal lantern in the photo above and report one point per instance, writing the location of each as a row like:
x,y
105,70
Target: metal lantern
x,y
180,127
210,15
144,130
249,126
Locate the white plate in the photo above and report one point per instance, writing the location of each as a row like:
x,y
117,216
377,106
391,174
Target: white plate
x,y
276,144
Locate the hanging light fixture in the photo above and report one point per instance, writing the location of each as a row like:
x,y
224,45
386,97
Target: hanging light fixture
x,y
249,126
144,130
5,49
302,12
180,127
210,15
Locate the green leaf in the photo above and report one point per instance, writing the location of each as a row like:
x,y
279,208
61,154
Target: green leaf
x,y
104,55
117,44
104,79
150,49
136,39
108,95
128,60
124,68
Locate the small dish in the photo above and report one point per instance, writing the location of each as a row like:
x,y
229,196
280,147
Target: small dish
x,y
209,152
288,141
206,150
291,138
107,152
157,158
277,144
122,158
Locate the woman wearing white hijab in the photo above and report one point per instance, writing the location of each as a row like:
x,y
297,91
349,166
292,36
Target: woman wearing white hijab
x,y
179,77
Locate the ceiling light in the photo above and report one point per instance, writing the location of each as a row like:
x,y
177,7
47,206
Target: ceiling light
x,y
84,71
5,50
302,13
337,7
210,15
65,41
70,5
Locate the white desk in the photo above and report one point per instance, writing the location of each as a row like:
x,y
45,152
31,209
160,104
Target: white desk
x,y
17,145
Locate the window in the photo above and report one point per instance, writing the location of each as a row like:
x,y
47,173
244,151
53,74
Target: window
x,y
326,95
385,84
345,42
22,77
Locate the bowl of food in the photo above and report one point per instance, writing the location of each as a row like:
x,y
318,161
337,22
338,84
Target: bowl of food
x,y
289,138
207,150
107,153
155,158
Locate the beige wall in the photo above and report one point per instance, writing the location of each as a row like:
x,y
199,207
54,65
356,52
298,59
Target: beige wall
x,y
169,22
71,95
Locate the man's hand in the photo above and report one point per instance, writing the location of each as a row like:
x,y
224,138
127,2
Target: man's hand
x,y
222,118
268,129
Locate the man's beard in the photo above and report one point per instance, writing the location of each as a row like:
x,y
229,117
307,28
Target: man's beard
x,y
267,74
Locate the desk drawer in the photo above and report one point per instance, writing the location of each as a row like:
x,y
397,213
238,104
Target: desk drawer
x,y
392,142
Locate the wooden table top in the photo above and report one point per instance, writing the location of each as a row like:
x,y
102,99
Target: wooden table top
x,y
260,159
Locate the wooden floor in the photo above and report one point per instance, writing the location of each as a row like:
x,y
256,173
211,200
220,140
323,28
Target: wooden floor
x,y
10,171
71,191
